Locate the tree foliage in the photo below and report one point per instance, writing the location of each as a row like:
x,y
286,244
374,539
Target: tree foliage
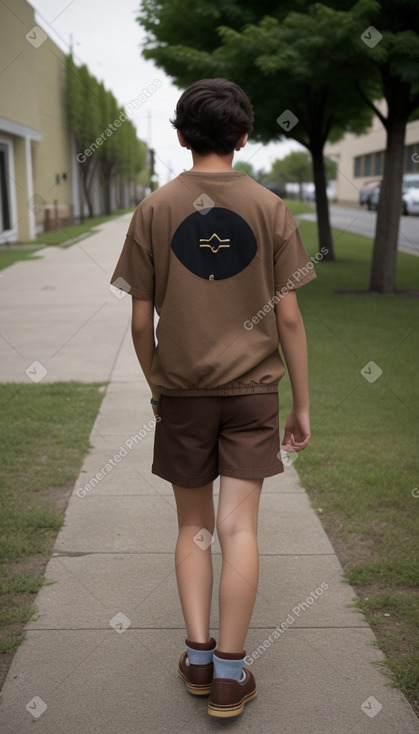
x,y
282,54
318,60
101,144
293,168
296,168
246,167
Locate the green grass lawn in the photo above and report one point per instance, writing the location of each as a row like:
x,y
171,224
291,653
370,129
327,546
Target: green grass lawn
x,y
299,207
361,465
8,257
68,234
44,432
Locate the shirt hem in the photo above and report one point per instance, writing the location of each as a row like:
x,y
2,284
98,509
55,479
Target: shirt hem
x,y
143,295
251,473
271,387
182,481
283,289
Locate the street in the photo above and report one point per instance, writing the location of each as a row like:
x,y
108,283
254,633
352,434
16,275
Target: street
x,y
361,221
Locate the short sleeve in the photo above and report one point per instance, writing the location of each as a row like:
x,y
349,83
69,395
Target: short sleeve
x,y
134,272
292,265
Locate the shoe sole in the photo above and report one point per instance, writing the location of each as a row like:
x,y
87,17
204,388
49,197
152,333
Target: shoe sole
x,y
196,690
224,712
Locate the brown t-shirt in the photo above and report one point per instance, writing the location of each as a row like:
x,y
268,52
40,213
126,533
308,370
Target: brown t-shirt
x,y
215,252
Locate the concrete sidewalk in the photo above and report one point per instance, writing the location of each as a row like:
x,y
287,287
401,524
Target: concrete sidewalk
x,y
102,654
59,311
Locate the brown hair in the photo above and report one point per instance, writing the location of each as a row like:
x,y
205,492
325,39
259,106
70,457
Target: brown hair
x,y
212,115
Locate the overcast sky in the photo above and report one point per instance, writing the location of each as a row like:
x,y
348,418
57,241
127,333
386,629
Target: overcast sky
x,y
107,38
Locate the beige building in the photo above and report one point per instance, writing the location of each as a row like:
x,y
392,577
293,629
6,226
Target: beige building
x,y
361,158
35,149
40,179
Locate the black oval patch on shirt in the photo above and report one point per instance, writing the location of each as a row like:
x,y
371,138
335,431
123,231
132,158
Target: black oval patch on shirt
x,y
214,245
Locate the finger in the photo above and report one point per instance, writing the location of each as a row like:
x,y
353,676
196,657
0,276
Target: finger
x,y
287,448
288,438
299,445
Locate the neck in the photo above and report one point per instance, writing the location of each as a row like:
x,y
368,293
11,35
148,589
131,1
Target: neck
x,y
212,163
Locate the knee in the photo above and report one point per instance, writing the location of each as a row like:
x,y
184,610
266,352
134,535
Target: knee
x,y
229,529
195,523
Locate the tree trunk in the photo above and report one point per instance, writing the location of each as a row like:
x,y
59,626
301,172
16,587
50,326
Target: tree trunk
x,y
119,188
107,195
81,194
107,188
87,174
322,204
383,275
106,179
86,190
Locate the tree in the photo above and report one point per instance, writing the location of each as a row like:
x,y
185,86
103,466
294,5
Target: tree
x,y
331,168
297,168
83,120
277,174
386,39
132,154
246,167
283,61
312,95
109,153
106,140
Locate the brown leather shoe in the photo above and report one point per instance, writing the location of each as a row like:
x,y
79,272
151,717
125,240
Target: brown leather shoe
x,y
229,696
197,678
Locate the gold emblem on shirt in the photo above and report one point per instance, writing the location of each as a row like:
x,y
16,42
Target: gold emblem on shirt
x,y
206,242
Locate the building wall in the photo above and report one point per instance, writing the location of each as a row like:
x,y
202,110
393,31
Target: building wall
x,y
367,148
18,101
33,121
53,164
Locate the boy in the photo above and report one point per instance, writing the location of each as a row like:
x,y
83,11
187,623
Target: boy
x,y
218,256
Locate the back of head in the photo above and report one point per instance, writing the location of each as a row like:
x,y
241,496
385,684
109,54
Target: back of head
x,y
212,114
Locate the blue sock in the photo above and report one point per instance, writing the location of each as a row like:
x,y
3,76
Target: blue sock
x,y
200,656
228,668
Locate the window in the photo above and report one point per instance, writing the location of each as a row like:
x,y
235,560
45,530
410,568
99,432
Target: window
x,y
5,222
357,167
367,165
378,163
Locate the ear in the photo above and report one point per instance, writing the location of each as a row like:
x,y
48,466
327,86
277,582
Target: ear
x,y
182,140
242,141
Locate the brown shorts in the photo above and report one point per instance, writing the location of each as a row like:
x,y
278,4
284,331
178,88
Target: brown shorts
x,y
199,438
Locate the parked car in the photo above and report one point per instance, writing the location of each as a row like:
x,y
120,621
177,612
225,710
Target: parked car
x,y
373,199
277,189
367,191
410,196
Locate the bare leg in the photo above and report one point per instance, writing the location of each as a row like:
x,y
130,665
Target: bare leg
x,y
194,575
237,523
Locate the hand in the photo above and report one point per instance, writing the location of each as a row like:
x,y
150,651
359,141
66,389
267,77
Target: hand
x,y
297,431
